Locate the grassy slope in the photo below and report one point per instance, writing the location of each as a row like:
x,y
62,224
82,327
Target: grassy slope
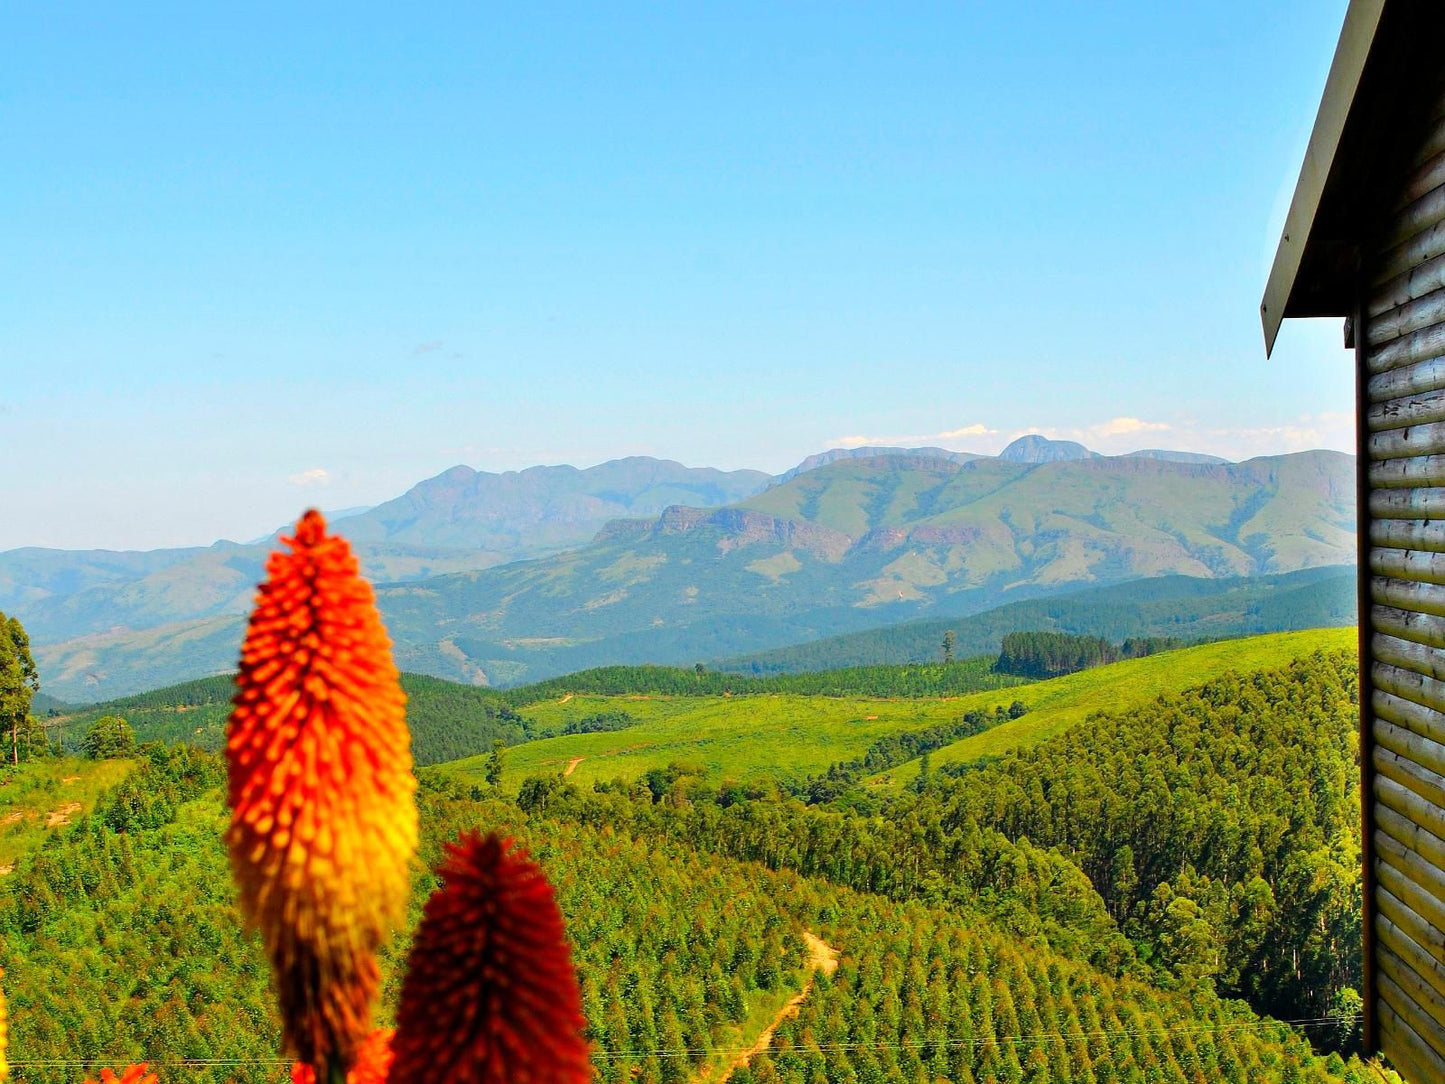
x,y
733,737
781,735
1059,704
39,797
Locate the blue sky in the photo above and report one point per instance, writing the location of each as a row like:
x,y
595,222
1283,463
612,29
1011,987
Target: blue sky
x,y
259,259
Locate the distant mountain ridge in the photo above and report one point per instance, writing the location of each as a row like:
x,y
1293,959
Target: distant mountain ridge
x,y
460,520
857,543
834,455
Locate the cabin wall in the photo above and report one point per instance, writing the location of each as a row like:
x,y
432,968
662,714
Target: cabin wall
x,y
1400,344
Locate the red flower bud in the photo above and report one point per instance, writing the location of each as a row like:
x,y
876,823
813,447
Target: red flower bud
x,y
490,996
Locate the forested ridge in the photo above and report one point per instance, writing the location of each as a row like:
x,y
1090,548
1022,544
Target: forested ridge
x,y
953,678
1182,607
1221,827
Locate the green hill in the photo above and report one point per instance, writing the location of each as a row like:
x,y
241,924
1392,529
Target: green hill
x,y
1056,706
449,721
778,737
1236,802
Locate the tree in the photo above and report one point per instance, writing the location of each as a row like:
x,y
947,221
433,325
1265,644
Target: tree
x,y
109,736
948,641
494,763
19,680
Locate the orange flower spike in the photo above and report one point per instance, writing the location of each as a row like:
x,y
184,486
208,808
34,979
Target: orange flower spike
x,y
373,1060
490,995
136,1074
323,811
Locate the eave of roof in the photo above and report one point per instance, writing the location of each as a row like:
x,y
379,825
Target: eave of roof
x,y
1362,20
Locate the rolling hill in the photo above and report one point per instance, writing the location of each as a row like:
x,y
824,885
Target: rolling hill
x,y
788,736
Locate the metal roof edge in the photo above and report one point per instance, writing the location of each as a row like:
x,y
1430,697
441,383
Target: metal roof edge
x,y
1362,20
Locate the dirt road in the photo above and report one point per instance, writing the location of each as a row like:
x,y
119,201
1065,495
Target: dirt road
x,y
821,956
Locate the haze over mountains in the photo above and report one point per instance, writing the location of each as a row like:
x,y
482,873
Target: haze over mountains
x,y
499,578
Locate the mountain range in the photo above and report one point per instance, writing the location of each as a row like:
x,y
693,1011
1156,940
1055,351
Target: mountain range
x,y
501,578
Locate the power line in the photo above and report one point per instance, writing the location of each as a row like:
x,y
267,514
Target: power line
x,y
1016,1041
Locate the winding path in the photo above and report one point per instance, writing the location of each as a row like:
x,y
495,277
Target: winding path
x,y
821,956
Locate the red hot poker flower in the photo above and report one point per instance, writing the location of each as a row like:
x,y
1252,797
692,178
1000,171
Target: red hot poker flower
x,y
373,1060
490,996
324,822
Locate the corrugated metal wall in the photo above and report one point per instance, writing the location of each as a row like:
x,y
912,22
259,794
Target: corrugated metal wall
x,y
1400,339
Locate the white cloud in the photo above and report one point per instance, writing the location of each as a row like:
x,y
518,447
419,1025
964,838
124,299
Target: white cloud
x,y
427,347
1329,429
978,429
1127,434
314,476
1120,426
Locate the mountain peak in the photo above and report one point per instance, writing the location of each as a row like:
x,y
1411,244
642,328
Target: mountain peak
x,y
1034,448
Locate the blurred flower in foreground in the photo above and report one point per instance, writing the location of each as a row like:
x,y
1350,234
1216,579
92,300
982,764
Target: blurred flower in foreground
x,y
490,994
136,1074
324,821
373,1059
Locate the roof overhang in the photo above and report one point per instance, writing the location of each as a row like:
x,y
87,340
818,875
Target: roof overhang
x,y
1313,275
1385,82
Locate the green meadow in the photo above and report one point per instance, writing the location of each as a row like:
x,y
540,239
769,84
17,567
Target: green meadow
x,y
41,797
782,735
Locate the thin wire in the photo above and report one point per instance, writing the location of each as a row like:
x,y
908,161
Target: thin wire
x,y
687,1052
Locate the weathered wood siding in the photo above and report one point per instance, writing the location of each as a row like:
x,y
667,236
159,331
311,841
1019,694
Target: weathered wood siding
x,y
1400,338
